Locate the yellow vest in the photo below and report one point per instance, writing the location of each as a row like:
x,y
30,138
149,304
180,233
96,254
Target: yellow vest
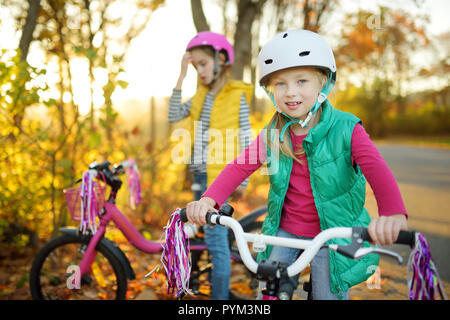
x,y
223,144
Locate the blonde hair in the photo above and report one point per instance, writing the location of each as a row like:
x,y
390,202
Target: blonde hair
x,y
279,120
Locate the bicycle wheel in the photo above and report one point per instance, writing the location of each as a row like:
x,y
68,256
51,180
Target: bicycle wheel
x,y
52,270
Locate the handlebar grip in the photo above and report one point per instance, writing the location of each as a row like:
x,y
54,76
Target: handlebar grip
x,y
184,219
407,237
208,217
183,216
404,237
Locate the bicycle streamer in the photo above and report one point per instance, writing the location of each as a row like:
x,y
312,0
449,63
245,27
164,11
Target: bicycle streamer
x,y
87,200
176,248
90,203
423,278
133,177
175,257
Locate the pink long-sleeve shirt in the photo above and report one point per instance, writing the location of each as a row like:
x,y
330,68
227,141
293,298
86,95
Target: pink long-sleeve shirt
x,y
299,215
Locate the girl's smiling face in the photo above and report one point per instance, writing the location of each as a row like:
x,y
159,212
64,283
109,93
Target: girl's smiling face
x,y
296,89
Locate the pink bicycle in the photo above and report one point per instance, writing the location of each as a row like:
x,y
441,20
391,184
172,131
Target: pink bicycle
x,y
86,265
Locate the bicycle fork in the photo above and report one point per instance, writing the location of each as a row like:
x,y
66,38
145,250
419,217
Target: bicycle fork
x,y
90,253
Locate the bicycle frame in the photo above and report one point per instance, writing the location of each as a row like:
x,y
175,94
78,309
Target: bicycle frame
x,y
92,238
112,213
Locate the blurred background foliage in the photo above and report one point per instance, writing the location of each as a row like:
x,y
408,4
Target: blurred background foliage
x,y
386,62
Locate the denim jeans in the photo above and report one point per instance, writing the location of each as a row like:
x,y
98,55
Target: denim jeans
x,y
320,268
216,238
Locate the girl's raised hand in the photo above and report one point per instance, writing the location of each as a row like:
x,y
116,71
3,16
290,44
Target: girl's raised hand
x,y
196,210
185,62
384,230
184,65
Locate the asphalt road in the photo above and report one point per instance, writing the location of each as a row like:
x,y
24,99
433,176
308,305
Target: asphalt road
x,y
423,175
422,166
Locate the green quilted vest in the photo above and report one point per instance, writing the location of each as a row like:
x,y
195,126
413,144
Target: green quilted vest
x,y
338,188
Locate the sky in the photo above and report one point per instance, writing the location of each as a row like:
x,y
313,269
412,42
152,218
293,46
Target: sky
x,y
159,48
153,61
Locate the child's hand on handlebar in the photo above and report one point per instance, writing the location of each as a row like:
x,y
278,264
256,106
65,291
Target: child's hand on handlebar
x,y
196,210
384,230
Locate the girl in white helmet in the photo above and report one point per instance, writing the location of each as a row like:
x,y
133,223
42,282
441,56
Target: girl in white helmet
x,y
318,160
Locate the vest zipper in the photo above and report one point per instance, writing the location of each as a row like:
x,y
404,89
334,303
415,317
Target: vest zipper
x,y
323,224
284,192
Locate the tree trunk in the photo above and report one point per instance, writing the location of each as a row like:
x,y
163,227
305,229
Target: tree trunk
x,y
28,28
91,67
248,11
200,22
313,13
24,45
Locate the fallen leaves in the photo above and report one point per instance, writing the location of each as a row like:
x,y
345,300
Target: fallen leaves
x,y
390,284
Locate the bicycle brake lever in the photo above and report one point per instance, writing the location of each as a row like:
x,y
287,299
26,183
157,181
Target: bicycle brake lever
x,y
355,249
365,251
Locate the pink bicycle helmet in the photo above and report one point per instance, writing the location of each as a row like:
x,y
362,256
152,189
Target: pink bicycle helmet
x,y
217,41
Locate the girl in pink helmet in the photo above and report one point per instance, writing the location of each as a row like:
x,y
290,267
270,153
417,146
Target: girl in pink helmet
x,y
218,108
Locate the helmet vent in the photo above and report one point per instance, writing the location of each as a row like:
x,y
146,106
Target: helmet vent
x,y
303,53
268,61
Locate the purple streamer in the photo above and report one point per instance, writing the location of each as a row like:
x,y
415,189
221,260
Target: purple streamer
x,y
423,277
175,256
133,184
89,203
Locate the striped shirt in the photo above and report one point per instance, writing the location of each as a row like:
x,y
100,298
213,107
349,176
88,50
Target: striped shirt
x,y
179,111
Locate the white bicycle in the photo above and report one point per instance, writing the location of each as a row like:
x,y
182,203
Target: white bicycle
x,y
277,274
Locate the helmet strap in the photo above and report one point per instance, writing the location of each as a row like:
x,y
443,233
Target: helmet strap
x,y
216,68
320,99
288,123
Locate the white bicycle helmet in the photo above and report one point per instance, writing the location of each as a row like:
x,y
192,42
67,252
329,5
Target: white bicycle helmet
x,y
297,48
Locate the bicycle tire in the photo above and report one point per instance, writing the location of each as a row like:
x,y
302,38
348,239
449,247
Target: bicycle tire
x,y
57,283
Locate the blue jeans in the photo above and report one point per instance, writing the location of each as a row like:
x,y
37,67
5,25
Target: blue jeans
x,y
216,238
320,268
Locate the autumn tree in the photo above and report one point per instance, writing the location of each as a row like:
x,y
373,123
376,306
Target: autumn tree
x,y
43,155
376,50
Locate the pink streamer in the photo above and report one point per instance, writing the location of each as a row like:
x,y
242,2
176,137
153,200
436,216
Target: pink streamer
x,y
133,184
175,256
89,203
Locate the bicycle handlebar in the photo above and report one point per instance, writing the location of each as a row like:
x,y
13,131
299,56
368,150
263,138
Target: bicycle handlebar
x,y
116,170
109,174
404,237
354,250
